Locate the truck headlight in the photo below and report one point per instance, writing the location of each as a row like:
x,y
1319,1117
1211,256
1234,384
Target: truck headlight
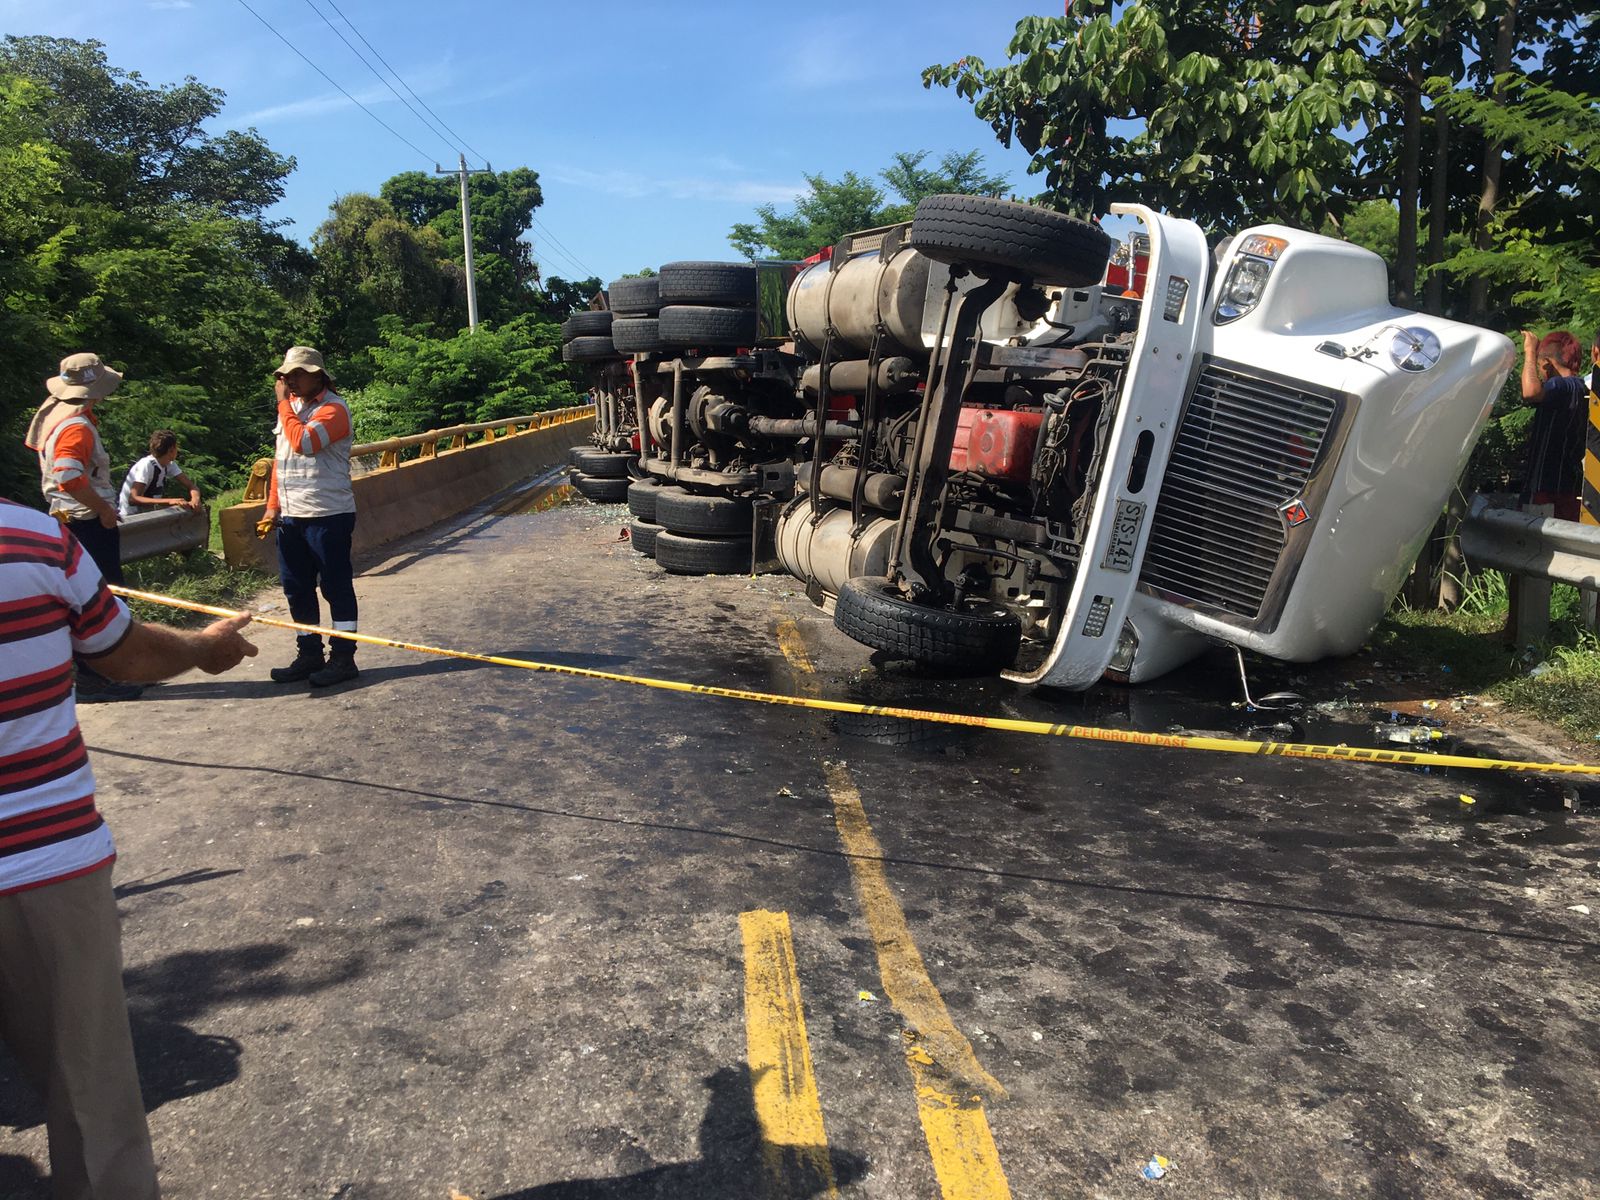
x,y
1253,261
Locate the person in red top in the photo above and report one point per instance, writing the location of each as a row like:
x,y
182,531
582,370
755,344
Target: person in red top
x,y
313,504
63,1015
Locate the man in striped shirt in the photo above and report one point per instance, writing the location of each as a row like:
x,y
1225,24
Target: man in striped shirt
x,y
62,1011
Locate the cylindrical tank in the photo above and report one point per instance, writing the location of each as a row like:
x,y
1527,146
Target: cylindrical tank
x,y
826,551
855,296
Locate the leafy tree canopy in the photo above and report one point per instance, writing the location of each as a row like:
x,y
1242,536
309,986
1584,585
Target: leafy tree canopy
x,y
831,209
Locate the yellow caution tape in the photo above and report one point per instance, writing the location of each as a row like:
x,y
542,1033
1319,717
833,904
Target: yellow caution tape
x,y
1005,724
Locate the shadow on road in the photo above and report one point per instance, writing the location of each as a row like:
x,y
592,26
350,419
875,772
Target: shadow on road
x,y
735,1163
164,998
139,886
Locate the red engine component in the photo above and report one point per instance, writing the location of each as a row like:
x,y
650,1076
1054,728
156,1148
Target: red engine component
x,y
1129,269
996,442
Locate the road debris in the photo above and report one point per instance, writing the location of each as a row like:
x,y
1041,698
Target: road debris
x,y
1156,1168
1580,909
865,997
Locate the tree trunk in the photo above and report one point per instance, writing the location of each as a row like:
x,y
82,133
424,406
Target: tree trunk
x,y
1438,211
1505,43
1405,267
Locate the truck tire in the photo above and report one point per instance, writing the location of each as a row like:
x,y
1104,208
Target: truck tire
x,y
637,335
1019,238
603,464
588,349
679,554
582,323
643,536
642,495
708,283
572,454
696,325
635,297
703,516
977,642
600,490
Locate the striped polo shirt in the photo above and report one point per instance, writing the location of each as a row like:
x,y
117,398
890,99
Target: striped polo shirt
x,y
53,603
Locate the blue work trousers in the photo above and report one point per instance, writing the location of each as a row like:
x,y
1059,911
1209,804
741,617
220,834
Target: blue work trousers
x,y
313,552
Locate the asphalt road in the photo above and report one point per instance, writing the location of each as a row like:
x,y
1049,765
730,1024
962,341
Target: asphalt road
x,y
464,929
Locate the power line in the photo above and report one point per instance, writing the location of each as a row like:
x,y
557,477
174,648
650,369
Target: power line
x,y
560,245
456,136
337,32
420,152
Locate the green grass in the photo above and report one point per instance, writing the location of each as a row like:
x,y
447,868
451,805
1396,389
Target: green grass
x,y
198,575
1564,687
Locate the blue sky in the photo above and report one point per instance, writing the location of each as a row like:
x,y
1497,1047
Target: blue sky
x,y
653,126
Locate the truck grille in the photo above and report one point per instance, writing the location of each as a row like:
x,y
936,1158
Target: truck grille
x,y
1248,445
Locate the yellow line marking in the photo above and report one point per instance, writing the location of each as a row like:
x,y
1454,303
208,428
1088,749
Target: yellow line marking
x,y
794,1143
1128,737
950,1083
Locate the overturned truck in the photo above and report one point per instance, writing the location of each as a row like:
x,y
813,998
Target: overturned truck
x,y
990,441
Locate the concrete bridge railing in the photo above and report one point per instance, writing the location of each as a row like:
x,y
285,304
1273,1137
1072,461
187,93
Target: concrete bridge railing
x,y
396,496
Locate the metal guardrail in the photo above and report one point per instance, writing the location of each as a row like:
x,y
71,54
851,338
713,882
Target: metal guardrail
x,y
426,445
1520,543
171,529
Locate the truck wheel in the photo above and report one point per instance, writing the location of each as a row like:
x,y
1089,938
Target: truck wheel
x,y
642,495
1020,238
581,323
572,454
588,349
603,464
683,512
681,555
695,325
601,491
643,536
708,283
979,640
635,297
637,335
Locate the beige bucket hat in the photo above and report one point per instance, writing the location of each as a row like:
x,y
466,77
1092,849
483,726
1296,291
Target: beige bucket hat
x,y
302,358
83,377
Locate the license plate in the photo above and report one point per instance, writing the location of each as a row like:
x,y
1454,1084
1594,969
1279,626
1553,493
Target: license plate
x,y
1124,536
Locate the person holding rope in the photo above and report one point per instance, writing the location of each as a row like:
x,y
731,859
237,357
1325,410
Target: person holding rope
x,y
313,505
63,1014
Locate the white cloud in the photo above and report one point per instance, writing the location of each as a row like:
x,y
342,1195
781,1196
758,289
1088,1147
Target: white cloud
x,y
639,185
313,106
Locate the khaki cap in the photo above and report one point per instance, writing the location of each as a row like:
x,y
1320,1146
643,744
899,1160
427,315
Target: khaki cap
x,y
83,377
302,358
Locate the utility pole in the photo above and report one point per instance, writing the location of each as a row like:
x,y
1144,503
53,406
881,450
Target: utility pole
x,y
466,233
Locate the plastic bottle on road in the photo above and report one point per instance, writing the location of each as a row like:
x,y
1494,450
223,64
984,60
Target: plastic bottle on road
x,y
1406,735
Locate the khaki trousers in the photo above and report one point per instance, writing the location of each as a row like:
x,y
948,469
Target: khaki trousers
x,y
65,1019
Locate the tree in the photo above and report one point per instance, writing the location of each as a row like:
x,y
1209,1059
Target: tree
x,y
563,297
373,264
144,146
503,204
829,210
1220,111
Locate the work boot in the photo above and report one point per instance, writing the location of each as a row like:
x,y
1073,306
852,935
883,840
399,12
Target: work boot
x,y
306,664
341,668
94,688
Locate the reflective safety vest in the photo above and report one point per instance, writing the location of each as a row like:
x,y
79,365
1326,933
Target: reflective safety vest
x,y
54,473
317,484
